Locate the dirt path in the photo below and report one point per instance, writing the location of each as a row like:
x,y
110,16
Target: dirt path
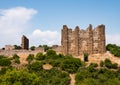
x,y
72,76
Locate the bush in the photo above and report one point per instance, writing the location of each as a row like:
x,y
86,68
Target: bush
x,y
54,77
51,54
16,58
35,66
85,57
21,77
30,58
101,63
32,48
40,56
5,62
114,49
71,65
108,63
91,67
115,66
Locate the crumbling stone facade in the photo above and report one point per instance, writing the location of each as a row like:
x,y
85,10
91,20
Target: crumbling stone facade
x,y
78,42
56,48
25,43
9,47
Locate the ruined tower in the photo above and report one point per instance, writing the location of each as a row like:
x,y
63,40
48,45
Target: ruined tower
x,y
79,41
25,43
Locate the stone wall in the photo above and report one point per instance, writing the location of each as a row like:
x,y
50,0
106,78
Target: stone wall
x,y
79,41
25,43
9,47
12,52
56,48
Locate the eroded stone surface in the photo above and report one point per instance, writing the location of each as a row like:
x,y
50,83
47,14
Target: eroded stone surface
x,y
79,41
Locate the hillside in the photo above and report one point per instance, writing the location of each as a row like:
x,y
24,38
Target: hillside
x,y
57,69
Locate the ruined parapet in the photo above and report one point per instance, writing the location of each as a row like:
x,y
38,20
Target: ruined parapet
x,y
79,41
56,48
39,49
9,47
25,43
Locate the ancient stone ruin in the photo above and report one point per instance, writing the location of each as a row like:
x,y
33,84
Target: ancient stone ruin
x,y
25,43
79,41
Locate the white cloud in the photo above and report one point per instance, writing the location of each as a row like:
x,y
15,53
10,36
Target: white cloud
x,y
45,37
113,39
13,22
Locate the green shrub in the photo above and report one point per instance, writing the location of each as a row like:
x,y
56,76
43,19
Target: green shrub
x,y
40,56
85,57
5,62
35,66
51,54
30,58
16,58
108,63
71,65
114,49
115,66
91,67
21,77
32,48
101,63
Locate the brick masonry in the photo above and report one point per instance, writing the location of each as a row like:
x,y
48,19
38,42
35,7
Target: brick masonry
x,y
79,41
25,43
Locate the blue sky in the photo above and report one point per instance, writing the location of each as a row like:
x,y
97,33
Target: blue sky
x,y
46,17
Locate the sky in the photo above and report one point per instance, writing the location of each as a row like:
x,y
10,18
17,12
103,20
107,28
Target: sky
x,y
42,20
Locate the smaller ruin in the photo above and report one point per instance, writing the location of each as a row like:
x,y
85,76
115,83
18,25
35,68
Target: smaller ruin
x,y
9,47
25,43
56,48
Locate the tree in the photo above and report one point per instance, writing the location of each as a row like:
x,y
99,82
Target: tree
x,y
35,66
17,47
114,49
46,47
16,58
32,48
108,63
71,65
85,57
4,61
40,56
30,58
51,54
21,77
101,63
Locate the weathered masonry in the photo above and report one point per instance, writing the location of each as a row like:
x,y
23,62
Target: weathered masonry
x,y
25,43
80,41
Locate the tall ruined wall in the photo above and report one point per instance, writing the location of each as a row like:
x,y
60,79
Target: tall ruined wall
x,y
25,42
79,41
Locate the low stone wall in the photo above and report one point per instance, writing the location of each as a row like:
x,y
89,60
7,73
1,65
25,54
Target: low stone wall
x,y
12,52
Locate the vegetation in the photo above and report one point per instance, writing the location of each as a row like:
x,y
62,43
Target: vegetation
x,y
71,65
32,48
30,58
22,77
40,56
4,61
85,57
33,73
16,58
114,49
17,47
46,47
